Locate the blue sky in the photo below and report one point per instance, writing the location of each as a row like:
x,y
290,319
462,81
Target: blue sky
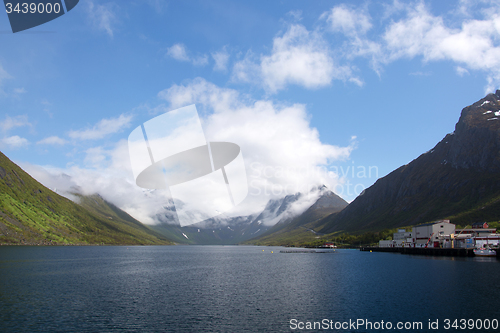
x,y
344,84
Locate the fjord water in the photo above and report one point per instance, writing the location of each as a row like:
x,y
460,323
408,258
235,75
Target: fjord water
x,y
233,288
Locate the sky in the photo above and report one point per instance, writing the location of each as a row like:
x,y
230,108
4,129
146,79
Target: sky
x,y
314,92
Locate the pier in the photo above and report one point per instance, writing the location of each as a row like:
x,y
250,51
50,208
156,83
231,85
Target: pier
x,y
447,252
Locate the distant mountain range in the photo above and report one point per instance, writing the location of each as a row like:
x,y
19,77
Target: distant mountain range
x,y
277,215
32,214
301,227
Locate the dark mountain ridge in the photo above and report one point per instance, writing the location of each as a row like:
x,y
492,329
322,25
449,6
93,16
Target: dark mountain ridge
x,y
458,178
289,231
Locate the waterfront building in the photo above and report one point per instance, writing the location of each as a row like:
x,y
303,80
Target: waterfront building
x,y
442,234
402,238
482,235
432,234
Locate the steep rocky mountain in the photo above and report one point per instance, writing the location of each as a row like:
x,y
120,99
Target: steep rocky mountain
x,y
458,179
301,227
278,214
30,213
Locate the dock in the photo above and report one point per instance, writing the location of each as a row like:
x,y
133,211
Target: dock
x,y
446,252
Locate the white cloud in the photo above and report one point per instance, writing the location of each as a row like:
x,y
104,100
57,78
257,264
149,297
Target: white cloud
x,y
282,153
107,173
102,17
247,70
298,57
54,179
200,60
19,91
461,71
296,15
420,73
103,128
354,24
221,59
3,76
469,36
145,107
178,52
475,45
52,140
351,22
96,157
12,122
14,142
199,91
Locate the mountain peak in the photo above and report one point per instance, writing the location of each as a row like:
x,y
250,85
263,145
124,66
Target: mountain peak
x,y
460,174
476,142
483,113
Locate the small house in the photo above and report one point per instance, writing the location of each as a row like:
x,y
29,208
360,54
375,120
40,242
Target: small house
x,y
480,225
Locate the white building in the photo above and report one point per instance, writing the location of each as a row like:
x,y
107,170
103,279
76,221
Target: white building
x,y
481,235
432,234
442,234
386,243
402,238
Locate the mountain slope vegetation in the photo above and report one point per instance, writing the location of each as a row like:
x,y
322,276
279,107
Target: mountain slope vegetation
x,y
32,214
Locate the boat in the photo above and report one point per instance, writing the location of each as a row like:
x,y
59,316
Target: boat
x,y
485,252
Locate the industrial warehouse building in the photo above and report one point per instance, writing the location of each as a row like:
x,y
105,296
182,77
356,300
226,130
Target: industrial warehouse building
x,y
442,234
431,233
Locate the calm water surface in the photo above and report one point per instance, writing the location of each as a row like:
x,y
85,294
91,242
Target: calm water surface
x,y
234,289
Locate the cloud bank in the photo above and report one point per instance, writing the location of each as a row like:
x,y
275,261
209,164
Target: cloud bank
x,y
283,154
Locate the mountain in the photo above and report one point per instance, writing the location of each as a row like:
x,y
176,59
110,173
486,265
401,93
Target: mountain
x,y
32,214
458,179
296,229
230,230
277,214
223,231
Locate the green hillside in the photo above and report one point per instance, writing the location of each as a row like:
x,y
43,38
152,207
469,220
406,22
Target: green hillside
x,y
31,214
